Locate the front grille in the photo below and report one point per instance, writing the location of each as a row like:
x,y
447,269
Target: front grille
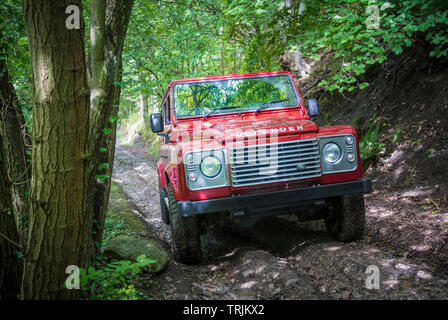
x,y
284,161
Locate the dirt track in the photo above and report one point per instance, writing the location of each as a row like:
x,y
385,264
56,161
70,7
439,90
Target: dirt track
x,y
275,259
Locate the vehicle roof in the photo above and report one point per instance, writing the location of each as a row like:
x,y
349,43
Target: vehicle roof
x,y
229,76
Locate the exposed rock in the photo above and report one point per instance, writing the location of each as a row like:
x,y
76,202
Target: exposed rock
x,y
130,248
295,62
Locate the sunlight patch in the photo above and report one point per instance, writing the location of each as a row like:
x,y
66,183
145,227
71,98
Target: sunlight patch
x,y
248,285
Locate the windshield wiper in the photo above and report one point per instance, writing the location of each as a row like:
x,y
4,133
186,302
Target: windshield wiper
x,y
266,104
220,109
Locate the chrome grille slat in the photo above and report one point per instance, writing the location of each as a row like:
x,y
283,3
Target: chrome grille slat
x,y
285,145
255,147
278,171
248,168
296,159
238,170
237,160
273,177
252,153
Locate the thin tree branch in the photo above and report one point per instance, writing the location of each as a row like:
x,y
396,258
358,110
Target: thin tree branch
x,y
13,242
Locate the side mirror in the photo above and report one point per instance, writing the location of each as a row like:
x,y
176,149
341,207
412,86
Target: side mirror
x,y
157,122
313,110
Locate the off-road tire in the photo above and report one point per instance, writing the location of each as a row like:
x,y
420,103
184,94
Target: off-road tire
x,y
345,221
184,234
163,208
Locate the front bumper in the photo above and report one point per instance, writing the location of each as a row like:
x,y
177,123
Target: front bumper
x,y
281,199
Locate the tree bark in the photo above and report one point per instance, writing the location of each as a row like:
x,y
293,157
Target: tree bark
x,y
105,70
60,217
15,138
144,109
143,104
10,266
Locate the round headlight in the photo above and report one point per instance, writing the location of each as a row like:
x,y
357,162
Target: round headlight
x,y
210,167
331,152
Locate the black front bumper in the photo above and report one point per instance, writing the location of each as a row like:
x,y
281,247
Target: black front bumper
x,y
288,198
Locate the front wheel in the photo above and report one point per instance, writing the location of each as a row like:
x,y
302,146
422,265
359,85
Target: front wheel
x,y
163,207
184,234
345,221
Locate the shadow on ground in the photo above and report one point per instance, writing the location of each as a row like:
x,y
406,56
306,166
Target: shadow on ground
x,y
275,259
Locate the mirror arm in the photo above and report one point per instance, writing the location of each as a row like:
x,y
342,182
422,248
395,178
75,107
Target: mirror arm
x,y
165,135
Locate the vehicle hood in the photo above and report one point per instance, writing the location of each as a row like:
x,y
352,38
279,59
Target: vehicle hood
x,y
283,126
228,129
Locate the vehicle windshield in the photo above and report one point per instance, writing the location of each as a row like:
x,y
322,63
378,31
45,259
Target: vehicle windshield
x,y
230,95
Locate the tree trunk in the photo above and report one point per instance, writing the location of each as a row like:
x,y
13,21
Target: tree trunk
x,y
144,105
10,266
144,109
17,162
109,26
60,219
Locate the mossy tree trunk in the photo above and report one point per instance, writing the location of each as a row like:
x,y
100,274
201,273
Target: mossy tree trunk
x,y
109,25
60,217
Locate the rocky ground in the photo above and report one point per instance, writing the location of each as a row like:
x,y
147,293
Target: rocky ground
x,y
275,259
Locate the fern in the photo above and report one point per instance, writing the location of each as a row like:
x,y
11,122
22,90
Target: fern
x,y
369,147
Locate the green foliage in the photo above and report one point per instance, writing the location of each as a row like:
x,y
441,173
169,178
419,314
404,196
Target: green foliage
x,y
14,48
154,150
102,166
107,131
185,39
102,177
340,28
398,136
327,118
134,125
355,122
114,226
259,25
113,280
369,147
116,279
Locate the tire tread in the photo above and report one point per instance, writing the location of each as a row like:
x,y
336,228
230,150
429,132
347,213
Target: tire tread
x,y
184,234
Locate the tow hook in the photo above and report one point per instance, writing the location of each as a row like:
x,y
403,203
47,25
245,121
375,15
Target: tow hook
x,y
237,213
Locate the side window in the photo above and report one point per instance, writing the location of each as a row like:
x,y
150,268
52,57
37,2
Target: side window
x,y
168,111
163,108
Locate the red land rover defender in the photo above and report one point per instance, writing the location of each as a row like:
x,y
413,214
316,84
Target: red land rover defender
x,y
243,146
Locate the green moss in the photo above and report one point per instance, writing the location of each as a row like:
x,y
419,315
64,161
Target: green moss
x,y
120,219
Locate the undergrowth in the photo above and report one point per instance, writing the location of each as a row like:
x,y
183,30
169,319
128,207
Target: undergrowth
x,y
369,146
114,280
